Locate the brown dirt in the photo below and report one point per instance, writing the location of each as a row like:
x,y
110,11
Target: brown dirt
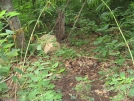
x,y
83,66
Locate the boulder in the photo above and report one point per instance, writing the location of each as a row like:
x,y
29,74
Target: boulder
x,y
48,43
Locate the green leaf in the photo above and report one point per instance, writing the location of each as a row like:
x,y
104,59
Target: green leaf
x,y
29,75
104,53
99,41
79,78
58,96
15,78
32,85
8,45
3,86
118,97
9,31
112,53
4,58
30,69
2,13
4,34
35,79
55,65
122,75
12,14
13,53
61,70
46,83
51,86
114,41
103,28
45,72
37,72
120,61
32,94
124,87
19,70
39,47
4,70
131,71
131,92
23,97
49,94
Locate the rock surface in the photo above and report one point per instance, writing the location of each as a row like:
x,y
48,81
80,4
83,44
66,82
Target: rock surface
x,y
48,43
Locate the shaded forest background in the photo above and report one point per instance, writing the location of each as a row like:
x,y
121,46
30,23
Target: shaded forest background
x,y
94,42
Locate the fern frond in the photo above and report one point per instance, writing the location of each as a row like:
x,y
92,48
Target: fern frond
x,y
102,7
93,3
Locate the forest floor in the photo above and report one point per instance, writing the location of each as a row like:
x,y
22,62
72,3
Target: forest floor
x,y
89,67
81,67
82,80
92,88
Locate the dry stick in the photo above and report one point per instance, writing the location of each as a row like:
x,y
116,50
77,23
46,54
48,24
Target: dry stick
x,y
32,34
77,18
15,92
120,31
6,79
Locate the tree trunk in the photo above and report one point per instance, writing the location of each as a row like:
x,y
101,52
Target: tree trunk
x,y
59,28
14,23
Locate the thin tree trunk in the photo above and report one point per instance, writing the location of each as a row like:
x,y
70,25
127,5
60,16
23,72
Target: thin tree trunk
x,y
59,28
14,23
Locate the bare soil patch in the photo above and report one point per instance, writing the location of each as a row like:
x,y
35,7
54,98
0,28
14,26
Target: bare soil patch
x,y
83,66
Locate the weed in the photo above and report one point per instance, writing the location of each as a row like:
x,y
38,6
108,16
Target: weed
x,y
83,88
107,46
37,83
66,53
79,42
7,52
122,84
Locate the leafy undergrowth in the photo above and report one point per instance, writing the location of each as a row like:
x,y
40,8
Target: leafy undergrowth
x,y
86,78
72,74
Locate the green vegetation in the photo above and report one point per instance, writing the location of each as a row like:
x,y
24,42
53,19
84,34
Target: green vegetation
x,y
36,83
83,88
122,84
101,30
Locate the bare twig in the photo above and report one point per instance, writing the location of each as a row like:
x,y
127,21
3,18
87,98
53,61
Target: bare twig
x,y
32,34
6,79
